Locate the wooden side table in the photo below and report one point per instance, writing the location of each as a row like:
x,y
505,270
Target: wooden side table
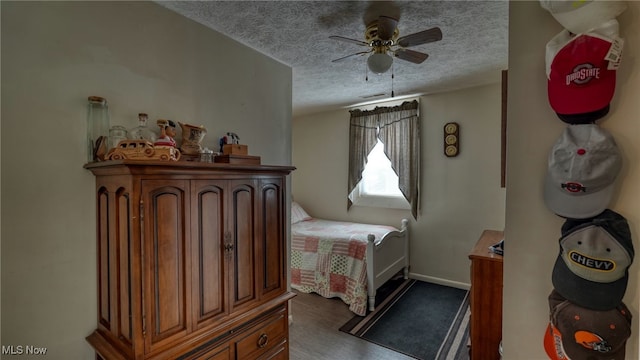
x,y
486,298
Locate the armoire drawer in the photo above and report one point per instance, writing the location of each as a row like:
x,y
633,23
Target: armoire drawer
x,y
266,335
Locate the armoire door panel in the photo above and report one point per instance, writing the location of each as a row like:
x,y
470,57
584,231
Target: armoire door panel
x,y
208,256
168,257
166,236
104,260
272,264
243,241
125,246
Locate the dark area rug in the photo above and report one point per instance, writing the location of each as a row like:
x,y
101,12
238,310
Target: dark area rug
x,y
420,319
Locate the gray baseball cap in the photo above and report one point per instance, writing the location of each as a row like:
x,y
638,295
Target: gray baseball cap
x,y
583,166
592,267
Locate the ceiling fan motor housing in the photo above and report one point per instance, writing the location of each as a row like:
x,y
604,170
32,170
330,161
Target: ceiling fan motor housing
x,y
371,35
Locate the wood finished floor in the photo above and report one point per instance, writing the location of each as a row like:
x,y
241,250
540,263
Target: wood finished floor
x,y
314,333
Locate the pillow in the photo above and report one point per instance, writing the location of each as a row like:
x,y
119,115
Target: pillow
x,y
298,214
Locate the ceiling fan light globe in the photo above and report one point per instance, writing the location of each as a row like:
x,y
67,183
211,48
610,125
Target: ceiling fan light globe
x,y
379,63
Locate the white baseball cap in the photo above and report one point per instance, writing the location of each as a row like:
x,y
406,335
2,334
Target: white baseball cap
x,y
580,16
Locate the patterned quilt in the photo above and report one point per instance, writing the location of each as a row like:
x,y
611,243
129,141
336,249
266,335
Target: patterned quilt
x,y
328,258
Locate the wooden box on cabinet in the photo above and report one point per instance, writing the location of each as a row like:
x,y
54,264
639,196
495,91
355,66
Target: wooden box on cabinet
x,y
191,261
486,298
235,149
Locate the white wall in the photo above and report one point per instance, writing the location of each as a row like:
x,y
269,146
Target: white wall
x,y
532,231
142,58
460,196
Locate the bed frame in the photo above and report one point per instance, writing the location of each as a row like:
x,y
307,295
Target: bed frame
x,y
386,258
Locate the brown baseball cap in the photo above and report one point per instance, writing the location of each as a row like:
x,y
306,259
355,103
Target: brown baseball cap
x,y
575,332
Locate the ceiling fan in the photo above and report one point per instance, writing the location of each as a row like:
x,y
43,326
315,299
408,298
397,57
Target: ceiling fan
x,y
383,40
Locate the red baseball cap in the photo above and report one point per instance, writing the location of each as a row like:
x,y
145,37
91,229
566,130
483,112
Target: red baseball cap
x,y
580,80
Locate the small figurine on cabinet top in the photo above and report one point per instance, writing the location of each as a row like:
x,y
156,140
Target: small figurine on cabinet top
x,y
230,138
235,139
141,149
167,132
192,136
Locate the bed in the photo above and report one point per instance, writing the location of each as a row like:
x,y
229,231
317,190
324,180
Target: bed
x,y
344,259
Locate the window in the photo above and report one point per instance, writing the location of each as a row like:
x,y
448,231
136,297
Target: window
x,y
398,128
379,184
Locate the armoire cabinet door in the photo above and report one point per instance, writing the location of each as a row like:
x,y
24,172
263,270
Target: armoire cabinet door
x,y
240,240
270,234
208,251
166,274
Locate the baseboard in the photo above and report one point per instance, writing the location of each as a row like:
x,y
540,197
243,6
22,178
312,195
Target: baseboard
x,y
439,281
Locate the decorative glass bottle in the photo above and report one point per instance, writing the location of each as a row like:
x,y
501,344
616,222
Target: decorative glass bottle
x,y
97,128
117,133
142,131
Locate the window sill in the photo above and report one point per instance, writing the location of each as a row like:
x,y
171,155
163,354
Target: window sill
x,y
389,202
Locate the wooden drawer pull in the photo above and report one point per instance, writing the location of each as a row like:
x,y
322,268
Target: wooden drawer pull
x,y
263,340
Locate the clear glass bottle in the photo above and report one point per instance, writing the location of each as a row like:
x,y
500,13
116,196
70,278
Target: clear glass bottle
x,y
142,131
97,128
206,155
117,133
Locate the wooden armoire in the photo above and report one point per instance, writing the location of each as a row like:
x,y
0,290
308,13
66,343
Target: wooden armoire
x,y
191,261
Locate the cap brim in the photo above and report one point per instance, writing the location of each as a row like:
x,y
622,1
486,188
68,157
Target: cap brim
x,y
588,294
584,118
576,206
550,346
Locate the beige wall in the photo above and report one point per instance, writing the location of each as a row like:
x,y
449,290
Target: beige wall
x,y
532,231
142,58
460,196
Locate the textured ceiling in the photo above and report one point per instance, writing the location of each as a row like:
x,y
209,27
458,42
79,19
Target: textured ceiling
x,y
472,51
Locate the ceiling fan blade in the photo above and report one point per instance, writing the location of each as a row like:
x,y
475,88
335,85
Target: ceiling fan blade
x,y
353,41
415,57
421,37
348,56
386,27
